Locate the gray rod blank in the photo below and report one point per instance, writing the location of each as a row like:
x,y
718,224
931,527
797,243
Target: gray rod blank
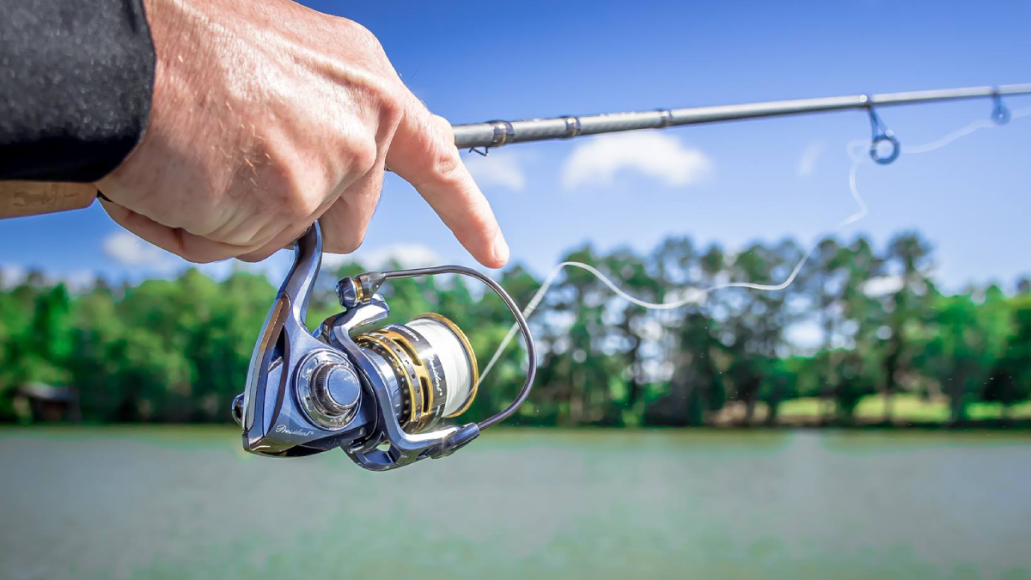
x,y
498,133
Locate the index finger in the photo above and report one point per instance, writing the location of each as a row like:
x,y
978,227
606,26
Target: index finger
x,y
423,153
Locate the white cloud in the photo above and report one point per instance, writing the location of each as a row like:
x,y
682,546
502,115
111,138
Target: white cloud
x,y
658,155
406,255
334,261
79,280
501,170
219,270
882,285
807,162
128,250
274,268
11,275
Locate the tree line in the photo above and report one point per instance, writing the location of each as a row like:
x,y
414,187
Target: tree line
x,y
857,322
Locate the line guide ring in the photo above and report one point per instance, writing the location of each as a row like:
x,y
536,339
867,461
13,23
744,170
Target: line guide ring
x,y
881,134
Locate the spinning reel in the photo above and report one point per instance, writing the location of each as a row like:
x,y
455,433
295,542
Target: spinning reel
x,y
382,394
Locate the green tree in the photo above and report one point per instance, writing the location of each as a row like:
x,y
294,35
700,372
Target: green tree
x,y
969,335
1010,380
909,257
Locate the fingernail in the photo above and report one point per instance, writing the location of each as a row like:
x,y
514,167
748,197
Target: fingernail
x,y
501,250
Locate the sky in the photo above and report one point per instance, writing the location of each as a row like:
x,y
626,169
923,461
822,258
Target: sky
x,y
730,183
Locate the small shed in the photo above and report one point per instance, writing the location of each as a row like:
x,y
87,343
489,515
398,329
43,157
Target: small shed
x,y
48,403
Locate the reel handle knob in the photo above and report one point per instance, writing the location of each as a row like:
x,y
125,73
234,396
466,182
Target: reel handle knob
x,y
238,409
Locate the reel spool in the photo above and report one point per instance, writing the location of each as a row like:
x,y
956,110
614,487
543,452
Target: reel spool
x,y
383,395
433,364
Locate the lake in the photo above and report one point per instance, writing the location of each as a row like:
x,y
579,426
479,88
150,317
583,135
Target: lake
x,y
186,502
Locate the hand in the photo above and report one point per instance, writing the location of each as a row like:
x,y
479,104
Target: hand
x,y
267,116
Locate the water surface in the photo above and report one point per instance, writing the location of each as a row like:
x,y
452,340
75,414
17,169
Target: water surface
x,y
127,502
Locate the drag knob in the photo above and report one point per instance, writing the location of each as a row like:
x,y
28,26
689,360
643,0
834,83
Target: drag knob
x,y
336,389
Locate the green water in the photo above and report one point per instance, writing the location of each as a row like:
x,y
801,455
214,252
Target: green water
x,y
117,503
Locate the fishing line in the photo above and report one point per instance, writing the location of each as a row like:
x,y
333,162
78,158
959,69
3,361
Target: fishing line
x,y
695,295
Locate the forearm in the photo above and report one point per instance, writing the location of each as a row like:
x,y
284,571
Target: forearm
x,y
76,79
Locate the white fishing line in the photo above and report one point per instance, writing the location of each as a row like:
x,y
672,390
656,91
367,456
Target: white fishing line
x,y
857,151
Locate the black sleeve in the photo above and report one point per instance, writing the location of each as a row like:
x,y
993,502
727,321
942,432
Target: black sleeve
x,y
76,79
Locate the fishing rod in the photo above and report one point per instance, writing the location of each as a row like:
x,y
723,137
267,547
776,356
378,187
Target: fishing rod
x,y
23,198
492,134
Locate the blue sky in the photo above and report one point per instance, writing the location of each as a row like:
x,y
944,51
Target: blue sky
x,y
731,183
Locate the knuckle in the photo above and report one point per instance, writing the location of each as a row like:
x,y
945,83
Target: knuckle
x,y
288,196
360,36
447,166
364,34
294,205
443,128
305,205
364,155
392,105
384,102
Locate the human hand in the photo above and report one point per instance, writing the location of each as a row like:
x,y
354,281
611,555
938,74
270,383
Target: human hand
x,y
267,116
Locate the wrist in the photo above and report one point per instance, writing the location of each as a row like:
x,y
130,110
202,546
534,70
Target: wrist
x,y
169,102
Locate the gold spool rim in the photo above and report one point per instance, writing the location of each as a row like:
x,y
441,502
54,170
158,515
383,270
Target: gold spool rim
x,y
382,343
472,359
418,364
